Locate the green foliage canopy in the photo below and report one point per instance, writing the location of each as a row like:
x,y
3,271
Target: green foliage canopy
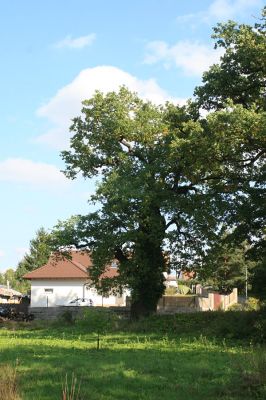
x,y
171,181
241,77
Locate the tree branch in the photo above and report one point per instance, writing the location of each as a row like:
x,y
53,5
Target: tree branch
x,y
251,160
131,150
119,255
184,189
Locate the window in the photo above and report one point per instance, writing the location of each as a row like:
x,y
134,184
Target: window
x,y
48,291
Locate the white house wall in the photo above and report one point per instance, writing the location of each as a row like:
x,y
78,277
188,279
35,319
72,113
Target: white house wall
x,y
65,290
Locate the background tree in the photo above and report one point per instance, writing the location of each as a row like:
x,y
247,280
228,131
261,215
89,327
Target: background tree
x,y
226,267
241,77
8,276
38,255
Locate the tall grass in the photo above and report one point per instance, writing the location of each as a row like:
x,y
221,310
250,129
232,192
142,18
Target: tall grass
x,y
8,383
71,390
253,372
201,356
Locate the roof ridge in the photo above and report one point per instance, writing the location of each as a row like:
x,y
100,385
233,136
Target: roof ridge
x,y
78,264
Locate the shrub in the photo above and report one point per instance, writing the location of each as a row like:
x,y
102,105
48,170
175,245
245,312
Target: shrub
x,y
252,304
183,289
170,291
67,317
248,326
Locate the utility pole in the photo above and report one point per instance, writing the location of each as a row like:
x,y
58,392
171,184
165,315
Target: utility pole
x,y
246,283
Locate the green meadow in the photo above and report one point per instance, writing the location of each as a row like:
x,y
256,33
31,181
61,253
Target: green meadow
x,y
192,357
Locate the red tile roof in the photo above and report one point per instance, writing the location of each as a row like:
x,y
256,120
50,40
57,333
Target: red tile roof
x,y
60,267
110,272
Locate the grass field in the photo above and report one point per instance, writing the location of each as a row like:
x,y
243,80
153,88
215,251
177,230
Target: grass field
x,y
134,364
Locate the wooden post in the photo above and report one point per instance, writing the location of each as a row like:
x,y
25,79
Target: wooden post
x,y
98,341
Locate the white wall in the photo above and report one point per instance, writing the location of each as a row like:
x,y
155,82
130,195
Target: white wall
x,y
65,290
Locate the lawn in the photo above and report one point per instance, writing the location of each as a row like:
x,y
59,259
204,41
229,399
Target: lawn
x,y
132,365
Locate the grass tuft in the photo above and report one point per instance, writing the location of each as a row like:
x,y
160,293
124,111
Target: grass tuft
x,y
8,383
71,390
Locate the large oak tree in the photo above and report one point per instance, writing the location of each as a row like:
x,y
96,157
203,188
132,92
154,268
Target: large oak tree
x,y
170,180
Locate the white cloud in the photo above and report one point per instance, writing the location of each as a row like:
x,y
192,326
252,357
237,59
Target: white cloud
x,y
75,43
24,171
2,253
222,10
66,103
192,57
226,9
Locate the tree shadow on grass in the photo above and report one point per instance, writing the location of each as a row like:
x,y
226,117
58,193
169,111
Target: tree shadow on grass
x,y
127,371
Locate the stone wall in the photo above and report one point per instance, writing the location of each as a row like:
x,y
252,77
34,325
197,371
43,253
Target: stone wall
x,y
210,301
175,304
215,301
54,313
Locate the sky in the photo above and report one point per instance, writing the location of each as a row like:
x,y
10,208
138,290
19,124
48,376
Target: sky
x,y
56,54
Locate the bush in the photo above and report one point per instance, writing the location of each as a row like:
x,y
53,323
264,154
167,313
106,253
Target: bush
x,y
183,289
170,291
249,326
67,317
252,304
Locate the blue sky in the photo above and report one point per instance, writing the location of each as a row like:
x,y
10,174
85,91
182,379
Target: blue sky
x,y
57,53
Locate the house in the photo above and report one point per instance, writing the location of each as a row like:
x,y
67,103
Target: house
x,y
64,279
9,296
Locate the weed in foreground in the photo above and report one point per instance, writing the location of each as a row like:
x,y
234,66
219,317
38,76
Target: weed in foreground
x,y
71,390
8,383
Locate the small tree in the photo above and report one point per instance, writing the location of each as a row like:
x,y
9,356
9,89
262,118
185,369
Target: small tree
x,y
99,321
